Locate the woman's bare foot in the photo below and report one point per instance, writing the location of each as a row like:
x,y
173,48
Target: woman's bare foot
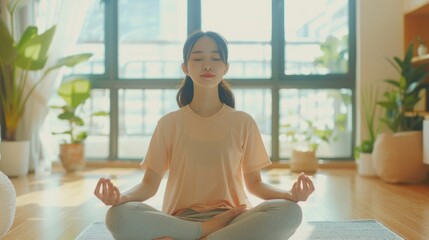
x,y
221,220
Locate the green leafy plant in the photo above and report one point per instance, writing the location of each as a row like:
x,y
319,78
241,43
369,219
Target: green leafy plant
x,y
17,60
75,92
334,57
309,133
400,100
370,111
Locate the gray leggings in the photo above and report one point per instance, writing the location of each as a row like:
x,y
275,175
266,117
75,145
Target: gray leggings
x,y
271,220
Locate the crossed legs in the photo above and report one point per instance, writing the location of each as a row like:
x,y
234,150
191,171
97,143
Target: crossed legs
x,y
271,220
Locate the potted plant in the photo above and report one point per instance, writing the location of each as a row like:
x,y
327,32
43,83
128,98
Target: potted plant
x,y
306,139
74,91
363,151
17,60
398,155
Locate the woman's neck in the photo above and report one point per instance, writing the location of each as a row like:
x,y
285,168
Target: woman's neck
x,y
206,102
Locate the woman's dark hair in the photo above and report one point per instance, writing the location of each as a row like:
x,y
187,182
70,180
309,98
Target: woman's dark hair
x,y
186,90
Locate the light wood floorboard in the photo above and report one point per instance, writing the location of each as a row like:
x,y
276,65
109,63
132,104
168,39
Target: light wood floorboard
x,y
61,205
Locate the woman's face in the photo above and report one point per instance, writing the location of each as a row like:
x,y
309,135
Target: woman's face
x,y
204,65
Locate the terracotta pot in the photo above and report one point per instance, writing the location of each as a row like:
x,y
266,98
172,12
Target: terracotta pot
x,y
365,165
303,161
398,157
72,156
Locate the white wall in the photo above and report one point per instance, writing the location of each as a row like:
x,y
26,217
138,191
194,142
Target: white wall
x,y
380,35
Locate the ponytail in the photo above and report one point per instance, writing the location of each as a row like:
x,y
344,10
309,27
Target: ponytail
x,y
186,92
225,94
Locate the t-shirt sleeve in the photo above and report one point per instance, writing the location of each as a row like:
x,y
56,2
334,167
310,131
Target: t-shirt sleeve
x,y
255,156
158,154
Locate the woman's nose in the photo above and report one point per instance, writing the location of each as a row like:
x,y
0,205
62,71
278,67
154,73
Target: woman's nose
x,y
207,68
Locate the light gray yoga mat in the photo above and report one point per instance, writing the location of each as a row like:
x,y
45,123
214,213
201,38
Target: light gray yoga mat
x,y
337,230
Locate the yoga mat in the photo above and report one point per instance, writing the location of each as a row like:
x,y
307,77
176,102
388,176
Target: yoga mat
x,y
337,230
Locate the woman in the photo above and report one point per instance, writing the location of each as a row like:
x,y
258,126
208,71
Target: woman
x,y
209,149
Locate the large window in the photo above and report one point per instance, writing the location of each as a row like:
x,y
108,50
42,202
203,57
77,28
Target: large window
x,y
150,38
316,37
289,60
248,34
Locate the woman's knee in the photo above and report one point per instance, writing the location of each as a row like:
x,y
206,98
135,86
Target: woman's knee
x,y
117,217
285,209
291,211
114,217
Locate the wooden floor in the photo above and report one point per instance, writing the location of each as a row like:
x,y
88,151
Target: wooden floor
x,y
60,205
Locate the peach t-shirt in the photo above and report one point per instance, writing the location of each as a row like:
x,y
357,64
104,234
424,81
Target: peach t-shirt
x,y
206,158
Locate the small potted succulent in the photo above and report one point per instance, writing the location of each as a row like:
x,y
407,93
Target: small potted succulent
x,y
306,139
363,152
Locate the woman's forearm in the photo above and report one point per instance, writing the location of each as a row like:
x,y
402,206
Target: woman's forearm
x,y
146,189
267,192
257,187
139,193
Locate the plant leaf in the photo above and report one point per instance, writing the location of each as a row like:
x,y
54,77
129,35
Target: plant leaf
x,y
33,54
71,61
100,114
29,33
75,91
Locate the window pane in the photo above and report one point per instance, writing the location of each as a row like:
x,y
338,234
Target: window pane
x,y
88,26
97,143
139,112
98,128
325,108
316,37
257,102
151,35
250,47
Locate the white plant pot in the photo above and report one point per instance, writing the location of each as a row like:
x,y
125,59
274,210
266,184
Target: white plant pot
x,y
366,165
421,50
15,157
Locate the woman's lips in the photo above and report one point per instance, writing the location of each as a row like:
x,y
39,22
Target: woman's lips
x,y
207,75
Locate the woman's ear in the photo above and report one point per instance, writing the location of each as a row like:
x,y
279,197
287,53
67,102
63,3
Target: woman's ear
x,y
185,69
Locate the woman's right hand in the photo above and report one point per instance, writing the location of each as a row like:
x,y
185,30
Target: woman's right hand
x,y
107,192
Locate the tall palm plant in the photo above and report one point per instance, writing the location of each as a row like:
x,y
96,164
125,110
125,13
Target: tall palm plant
x,y
17,60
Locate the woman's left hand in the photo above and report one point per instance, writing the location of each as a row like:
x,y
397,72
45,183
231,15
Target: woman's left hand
x,y
302,188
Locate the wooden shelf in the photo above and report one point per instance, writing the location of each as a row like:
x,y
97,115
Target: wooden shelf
x,y
421,59
417,113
